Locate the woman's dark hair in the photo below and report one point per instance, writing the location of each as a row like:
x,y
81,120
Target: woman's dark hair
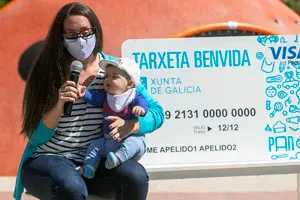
x,y
51,68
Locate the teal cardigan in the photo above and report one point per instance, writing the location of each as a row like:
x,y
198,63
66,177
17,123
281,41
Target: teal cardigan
x,y
152,121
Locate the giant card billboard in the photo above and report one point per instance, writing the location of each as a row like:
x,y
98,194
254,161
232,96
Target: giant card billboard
x,y
228,101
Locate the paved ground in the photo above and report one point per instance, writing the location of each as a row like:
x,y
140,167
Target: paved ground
x,y
225,196
203,196
271,187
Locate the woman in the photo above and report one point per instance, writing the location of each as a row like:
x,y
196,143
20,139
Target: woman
x,y
57,143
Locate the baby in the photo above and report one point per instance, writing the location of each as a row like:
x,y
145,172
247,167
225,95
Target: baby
x,y
119,98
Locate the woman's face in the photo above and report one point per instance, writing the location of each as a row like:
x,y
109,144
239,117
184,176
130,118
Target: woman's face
x,y
79,37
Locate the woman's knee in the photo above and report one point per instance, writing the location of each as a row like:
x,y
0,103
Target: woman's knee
x,y
47,181
132,172
44,187
133,180
72,190
70,185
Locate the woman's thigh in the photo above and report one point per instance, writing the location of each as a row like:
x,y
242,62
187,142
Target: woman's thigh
x,y
53,177
129,180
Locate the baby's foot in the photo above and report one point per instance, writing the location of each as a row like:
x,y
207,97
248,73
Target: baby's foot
x,y
79,170
111,161
86,171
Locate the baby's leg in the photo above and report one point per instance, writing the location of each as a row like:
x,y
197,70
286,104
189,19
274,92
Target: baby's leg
x,y
92,158
131,147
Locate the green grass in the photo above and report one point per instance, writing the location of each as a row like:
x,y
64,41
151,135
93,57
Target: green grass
x,y
3,2
294,4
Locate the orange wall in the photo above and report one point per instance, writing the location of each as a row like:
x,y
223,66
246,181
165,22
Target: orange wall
x,y
24,22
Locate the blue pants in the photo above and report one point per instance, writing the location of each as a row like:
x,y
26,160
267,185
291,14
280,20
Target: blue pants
x,y
131,147
54,177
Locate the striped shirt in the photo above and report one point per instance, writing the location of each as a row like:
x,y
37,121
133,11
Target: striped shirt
x,y
75,133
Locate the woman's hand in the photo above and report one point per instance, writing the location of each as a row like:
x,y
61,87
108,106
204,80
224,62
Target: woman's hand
x,y
67,93
120,128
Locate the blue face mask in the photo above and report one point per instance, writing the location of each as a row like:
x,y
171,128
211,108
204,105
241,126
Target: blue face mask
x,y
81,49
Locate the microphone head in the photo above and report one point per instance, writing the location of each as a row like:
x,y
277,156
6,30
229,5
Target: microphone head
x,y
76,66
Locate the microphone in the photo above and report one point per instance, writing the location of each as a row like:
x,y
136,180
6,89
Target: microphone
x,y
75,69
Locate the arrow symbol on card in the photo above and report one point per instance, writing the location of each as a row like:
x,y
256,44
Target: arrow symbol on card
x,y
208,128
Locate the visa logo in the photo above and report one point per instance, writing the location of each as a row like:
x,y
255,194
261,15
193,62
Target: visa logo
x,y
283,52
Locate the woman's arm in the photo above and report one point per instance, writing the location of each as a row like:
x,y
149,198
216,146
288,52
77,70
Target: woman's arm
x,y
41,135
155,115
47,125
51,118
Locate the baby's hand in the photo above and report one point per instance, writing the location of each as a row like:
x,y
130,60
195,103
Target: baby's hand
x,y
81,90
138,111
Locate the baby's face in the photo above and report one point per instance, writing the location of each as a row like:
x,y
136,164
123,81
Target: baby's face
x,y
115,82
